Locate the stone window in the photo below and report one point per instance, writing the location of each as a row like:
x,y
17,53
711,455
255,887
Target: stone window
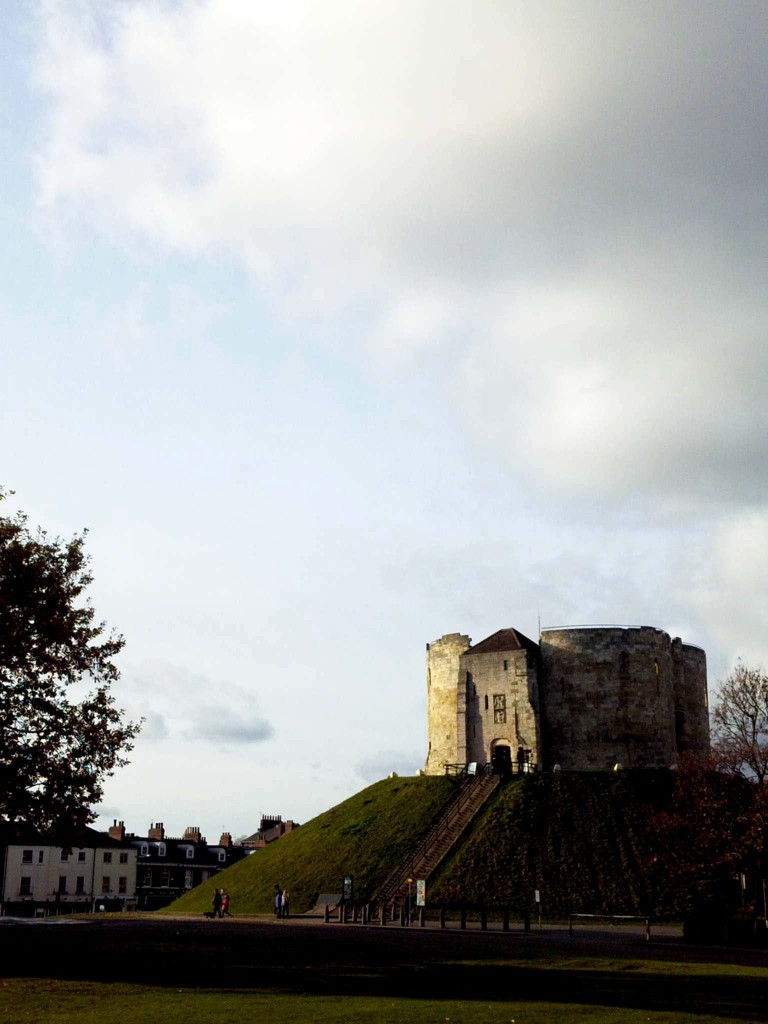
x,y
499,708
25,886
26,856
105,885
63,884
123,858
122,884
107,857
80,885
506,665
81,855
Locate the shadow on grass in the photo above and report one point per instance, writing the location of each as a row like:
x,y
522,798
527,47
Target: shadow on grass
x,y
365,962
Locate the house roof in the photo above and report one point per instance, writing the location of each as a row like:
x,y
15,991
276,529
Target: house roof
x,y
504,640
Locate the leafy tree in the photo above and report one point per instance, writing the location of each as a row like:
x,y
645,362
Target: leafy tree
x,y
709,832
740,721
55,751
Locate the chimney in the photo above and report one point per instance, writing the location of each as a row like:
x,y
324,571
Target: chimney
x,y
156,831
192,834
117,830
226,839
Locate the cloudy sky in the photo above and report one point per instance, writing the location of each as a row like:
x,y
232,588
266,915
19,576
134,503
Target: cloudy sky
x,y
342,326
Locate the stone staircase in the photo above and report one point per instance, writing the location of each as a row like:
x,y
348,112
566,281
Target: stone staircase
x,y
473,793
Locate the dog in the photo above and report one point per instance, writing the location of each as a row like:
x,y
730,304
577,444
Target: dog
x,y
209,914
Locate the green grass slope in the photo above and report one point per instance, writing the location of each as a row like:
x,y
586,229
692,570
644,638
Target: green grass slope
x,y
580,838
365,836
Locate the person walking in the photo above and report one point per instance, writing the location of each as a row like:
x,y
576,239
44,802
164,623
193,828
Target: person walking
x,y
286,903
225,905
278,901
216,902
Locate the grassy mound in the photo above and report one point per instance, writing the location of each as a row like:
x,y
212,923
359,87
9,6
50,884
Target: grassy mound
x,y
365,836
580,838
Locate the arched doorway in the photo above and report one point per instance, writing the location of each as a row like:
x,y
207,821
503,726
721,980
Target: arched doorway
x,y
501,758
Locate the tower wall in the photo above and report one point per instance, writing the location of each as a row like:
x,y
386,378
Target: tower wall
x,y
502,697
607,697
691,698
446,703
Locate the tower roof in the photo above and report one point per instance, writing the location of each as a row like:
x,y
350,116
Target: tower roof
x,y
504,640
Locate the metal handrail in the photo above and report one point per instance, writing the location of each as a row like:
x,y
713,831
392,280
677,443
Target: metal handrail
x,y
467,786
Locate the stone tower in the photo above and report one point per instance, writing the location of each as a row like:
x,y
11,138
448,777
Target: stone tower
x,y
586,698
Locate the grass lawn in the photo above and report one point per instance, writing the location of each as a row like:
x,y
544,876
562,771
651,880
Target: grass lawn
x,y
47,1001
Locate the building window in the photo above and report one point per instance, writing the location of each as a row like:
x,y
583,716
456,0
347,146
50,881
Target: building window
x,y
122,884
165,879
499,708
80,885
222,855
486,702
146,877
65,854
107,857
506,665
81,855
40,856
188,879
105,884
62,883
161,849
26,856
25,886
190,853
123,858
144,850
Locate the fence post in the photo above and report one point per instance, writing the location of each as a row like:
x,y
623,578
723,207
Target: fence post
x,y
442,917
647,929
326,913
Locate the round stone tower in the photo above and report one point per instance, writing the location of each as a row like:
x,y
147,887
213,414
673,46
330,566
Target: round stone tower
x,y
689,667
608,698
446,728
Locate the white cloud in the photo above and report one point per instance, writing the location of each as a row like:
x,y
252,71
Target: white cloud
x,y
558,215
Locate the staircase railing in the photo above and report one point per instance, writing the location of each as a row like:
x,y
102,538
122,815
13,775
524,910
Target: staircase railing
x,y
481,783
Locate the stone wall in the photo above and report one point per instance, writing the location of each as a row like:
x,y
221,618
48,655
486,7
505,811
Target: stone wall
x,y
446,728
607,698
501,690
584,699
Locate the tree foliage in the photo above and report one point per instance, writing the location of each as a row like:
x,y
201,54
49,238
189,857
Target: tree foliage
x,y
740,722
55,750
709,832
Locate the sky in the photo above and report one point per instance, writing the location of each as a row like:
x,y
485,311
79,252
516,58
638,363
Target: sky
x,y
344,326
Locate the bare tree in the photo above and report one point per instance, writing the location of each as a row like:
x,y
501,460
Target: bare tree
x,y
740,722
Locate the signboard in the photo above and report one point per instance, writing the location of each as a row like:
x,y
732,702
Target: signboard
x,y
421,892
537,895
346,889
